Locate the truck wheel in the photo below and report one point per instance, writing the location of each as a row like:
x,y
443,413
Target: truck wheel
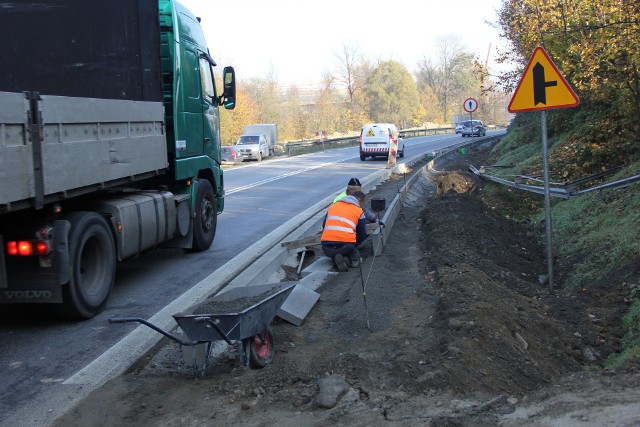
x,y
261,349
92,255
362,157
205,222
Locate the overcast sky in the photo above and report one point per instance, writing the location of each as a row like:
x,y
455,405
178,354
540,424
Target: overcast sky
x,y
300,39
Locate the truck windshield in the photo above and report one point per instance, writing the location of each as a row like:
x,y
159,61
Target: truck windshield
x,y
248,139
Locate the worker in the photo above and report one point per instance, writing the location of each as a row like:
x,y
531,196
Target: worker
x,y
344,228
354,185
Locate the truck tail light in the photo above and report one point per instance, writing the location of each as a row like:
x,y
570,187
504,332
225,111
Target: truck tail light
x,y
12,248
19,247
42,248
28,248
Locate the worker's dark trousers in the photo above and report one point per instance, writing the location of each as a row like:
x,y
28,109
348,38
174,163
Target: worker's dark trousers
x,y
347,249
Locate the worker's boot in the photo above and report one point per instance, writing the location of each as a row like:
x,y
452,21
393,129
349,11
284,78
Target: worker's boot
x,y
341,262
355,262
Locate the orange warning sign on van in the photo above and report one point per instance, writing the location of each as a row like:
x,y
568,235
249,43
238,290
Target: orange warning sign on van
x,y
542,87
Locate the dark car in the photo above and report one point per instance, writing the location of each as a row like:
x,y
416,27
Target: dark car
x,y
474,127
229,156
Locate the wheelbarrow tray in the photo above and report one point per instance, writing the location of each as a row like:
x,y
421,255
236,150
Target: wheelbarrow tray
x,y
251,310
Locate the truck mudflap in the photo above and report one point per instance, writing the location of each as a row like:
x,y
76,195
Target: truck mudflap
x,y
25,280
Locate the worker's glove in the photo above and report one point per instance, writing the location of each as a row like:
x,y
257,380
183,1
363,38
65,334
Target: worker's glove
x,y
381,223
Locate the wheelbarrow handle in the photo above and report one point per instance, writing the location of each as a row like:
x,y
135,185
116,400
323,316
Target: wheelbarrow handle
x,y
212,322
154,327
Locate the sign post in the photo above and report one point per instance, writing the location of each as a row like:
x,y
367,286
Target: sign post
x,y
542,87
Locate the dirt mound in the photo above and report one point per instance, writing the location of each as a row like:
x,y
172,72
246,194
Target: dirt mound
x,y
455,182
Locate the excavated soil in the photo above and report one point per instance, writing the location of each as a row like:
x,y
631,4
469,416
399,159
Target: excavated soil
x,y
457,331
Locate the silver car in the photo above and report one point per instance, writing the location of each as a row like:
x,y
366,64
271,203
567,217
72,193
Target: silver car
x,y
473,127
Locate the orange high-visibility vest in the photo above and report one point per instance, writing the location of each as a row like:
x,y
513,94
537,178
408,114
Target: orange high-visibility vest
x,y
341,222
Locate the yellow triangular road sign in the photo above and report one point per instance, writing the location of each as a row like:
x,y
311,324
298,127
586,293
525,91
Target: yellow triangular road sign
x,y
542,87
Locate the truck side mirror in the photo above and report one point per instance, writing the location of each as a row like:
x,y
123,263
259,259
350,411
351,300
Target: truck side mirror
x,y
228,98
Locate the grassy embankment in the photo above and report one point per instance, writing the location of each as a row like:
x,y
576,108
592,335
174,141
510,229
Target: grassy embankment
x,y
598,233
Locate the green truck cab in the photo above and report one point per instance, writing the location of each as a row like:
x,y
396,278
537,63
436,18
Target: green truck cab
x,y
191,106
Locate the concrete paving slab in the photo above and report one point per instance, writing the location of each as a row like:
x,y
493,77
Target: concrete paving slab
x,y
299,303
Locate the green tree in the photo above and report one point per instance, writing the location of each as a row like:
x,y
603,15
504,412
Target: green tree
x,y
392,94
595,46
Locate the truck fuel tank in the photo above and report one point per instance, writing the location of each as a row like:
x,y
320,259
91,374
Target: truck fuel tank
x,y
141,219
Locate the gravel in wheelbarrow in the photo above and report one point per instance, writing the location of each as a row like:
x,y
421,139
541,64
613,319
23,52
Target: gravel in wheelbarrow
x,y
236,314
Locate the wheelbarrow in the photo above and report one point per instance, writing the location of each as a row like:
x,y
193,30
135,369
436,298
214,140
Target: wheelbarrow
x,y
240,316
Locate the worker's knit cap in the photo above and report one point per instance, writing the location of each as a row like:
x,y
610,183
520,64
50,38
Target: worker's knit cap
x,y
354,181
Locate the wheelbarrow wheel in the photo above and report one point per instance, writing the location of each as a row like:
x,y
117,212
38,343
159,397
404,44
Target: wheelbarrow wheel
x,y
261,349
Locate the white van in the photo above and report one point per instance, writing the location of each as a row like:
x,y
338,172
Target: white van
x,y
252,147
375,139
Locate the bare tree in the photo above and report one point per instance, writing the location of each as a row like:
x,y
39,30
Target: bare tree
x,y
294,118
352,71
450,75
349,60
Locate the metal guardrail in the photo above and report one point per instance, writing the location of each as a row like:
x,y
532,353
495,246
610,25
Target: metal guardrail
x,y
563,191
409,133
291,146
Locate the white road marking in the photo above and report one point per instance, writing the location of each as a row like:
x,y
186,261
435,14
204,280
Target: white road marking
x,y
288,174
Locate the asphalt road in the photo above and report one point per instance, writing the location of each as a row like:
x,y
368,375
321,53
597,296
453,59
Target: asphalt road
x,y
38,352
